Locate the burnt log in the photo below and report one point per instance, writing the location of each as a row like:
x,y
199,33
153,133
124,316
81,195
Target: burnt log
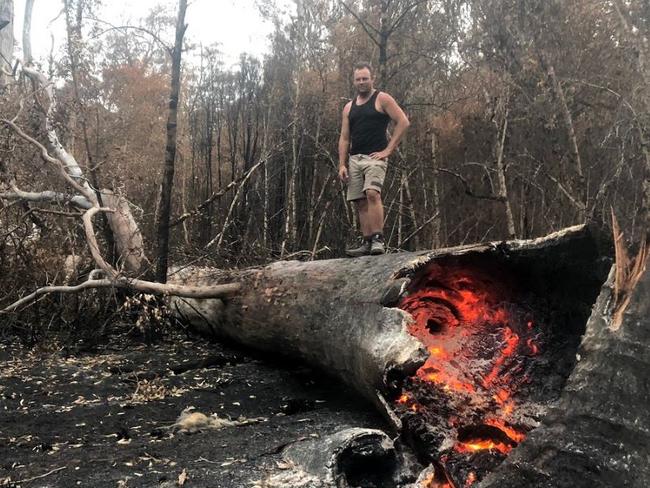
x,y
340,315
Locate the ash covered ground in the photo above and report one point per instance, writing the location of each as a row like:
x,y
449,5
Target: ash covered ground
x,y
102,418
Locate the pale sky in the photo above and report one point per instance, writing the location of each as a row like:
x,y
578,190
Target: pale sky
x,y
236,24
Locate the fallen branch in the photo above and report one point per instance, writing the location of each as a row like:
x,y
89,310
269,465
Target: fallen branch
x,y
197,292
28,480
125,231
46,196
576,203
86,191
419,229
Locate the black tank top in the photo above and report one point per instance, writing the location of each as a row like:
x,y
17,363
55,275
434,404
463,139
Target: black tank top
x,y
367,127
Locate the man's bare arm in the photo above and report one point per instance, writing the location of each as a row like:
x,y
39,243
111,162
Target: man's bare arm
x,y
344,143
397,115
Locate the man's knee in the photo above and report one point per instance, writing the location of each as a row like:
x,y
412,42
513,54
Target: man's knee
x,y
361,203
373,196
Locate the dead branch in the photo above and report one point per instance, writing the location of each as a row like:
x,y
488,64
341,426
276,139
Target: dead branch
x,y
197,210
196,292
468,189
28,480
46,196
240,181
419,229
87,199
580,206
219,238
85,190
46,290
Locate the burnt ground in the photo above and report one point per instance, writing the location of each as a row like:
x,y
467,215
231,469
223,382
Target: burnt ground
x,y
102,418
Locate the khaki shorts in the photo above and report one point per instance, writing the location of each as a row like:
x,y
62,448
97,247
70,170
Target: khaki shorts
x,y
365,174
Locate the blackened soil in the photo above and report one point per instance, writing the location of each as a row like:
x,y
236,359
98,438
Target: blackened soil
x,y
102,419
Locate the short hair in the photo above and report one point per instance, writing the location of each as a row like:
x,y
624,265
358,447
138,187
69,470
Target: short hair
x,y
363,65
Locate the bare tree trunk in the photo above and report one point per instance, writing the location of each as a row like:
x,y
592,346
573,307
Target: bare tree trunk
x,y
400,209
27,33
184,197
436,240
573,141
384,35
407,188
290,231
6,39
164,205
501,176
340,314
74,43
312,203
265,190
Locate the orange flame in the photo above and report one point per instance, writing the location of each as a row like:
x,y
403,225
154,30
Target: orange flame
x,y
508,408
509,431
482,445
439,353
447,380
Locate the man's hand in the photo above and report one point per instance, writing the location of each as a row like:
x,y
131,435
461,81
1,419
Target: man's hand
x,y
343,174
381,154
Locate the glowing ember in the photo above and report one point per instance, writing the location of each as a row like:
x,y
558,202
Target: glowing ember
x,y
476,339
403,399
481,445
471,478
450,319
509,431
447,381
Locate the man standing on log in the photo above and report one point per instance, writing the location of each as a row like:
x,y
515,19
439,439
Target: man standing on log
x,y
364,147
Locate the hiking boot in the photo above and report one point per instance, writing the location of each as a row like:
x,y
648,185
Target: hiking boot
x,y
362,250
377,245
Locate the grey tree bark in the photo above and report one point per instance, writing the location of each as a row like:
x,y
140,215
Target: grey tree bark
x,y
165,201
6,39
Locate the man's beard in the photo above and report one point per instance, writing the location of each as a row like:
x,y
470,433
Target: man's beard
x,y
364,91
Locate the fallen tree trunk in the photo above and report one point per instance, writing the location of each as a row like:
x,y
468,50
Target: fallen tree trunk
x,y
340,315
